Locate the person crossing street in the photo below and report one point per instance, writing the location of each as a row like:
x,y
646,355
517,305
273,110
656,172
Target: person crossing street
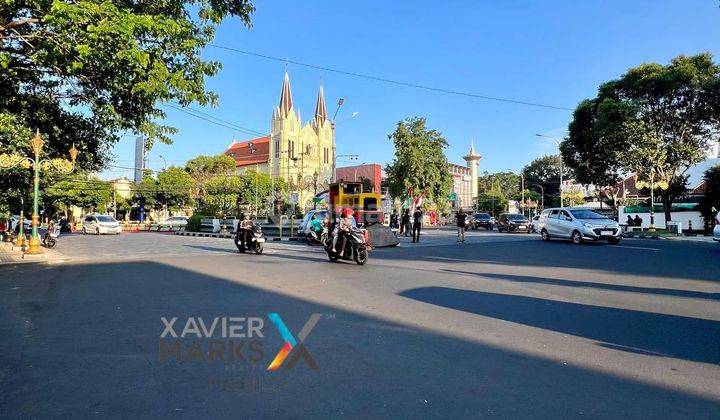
x,y
417,224
461,217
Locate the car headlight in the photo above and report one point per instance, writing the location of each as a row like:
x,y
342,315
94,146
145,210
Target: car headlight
x,y
588,225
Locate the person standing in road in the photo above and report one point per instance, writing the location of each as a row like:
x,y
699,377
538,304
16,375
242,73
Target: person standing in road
x,y
417,224
461,217
405,223
394,220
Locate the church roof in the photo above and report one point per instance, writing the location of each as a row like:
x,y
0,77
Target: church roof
x,y
250,152
285,97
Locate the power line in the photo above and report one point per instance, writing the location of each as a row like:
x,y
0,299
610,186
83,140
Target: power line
x,y
391,81
215,120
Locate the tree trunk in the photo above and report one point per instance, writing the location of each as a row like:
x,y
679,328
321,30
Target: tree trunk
x,y
666,207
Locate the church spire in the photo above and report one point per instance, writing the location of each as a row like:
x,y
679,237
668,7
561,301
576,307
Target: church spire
x,y
285,97
320,110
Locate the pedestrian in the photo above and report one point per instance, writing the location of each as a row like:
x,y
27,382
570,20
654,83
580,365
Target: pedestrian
x,y
405,223
638,221
417,224
394,220
630,222
461,217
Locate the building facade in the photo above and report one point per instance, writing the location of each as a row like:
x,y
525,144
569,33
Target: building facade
x,y
293,151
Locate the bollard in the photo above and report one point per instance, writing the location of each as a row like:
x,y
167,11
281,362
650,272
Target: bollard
x,y
281,225
292,226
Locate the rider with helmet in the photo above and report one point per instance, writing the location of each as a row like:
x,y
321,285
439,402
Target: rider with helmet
x,y
343,227
245,229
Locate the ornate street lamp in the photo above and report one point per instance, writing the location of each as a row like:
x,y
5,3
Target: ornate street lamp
x,y
11,160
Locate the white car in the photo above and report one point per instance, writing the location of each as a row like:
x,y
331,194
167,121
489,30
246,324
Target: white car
x,y
716,231
100,224
304,226
175,222
14,221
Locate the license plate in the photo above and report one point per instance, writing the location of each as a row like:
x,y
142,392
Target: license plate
x,y
606,232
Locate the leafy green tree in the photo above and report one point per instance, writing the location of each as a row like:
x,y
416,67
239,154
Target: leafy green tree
x,y
88,71
710,203
203,168
223,196
89,193
655,121
175,188
507,182
420,162
546,172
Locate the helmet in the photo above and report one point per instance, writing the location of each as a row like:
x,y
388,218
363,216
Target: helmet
x,y
347,212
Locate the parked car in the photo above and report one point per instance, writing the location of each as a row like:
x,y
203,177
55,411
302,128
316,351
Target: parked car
x,y
100,224
175,222
305,222
15,219
716,231
534,223
482,220
578,225
513,223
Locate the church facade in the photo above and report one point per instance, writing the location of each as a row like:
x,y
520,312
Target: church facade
x,y
293,151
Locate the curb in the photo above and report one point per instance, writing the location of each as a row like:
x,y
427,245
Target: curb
x,y
230,236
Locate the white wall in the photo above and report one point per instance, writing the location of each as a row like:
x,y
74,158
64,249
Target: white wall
x,y
682,216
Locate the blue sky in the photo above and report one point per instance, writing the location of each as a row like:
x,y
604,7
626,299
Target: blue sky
x,y
553,52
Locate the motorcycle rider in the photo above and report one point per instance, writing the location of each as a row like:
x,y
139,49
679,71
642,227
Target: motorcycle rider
x,y
343,227
317,226
245,229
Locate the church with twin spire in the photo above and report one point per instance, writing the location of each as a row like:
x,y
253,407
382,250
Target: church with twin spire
x,y
293,150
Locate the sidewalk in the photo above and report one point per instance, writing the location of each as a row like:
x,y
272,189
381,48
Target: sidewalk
x,y
10,254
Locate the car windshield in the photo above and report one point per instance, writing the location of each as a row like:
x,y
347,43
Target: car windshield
x,y
516,217
105,219
587,214
482,216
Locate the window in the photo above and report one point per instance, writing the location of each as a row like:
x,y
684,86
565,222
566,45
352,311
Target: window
x,y
277,148
554,214
563,215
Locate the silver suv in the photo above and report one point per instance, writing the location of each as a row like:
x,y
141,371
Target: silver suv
x,y
578,225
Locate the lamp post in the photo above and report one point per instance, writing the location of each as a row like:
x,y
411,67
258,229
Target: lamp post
x,y
11,160
561,163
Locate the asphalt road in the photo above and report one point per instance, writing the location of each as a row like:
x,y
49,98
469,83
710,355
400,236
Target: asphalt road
x,y
502,326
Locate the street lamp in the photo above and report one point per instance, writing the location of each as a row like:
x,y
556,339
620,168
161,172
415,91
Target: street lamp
x,y
11,160
542,195
561,163
164,161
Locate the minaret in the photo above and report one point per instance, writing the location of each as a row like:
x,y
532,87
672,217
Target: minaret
x,y
473,161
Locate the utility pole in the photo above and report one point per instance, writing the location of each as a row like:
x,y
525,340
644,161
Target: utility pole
x,y
114,200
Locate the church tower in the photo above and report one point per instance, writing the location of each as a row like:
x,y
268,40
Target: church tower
x,y
473,162
325,131
284,133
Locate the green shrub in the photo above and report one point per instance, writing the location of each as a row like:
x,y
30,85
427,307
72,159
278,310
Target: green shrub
x,y
194,222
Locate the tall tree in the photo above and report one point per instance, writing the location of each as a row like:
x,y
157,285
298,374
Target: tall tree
x,y
175,188
203,168
545,171
87,71
420,162
88,193
710,204
654,120
507,182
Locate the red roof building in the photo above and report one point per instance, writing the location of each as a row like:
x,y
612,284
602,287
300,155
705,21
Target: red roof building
x,y
250,152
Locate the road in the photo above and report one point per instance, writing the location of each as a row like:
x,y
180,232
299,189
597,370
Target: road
x,y
501,326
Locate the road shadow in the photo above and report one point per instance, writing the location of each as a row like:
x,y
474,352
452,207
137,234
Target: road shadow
x,y
693,339
213,248
593,285
664,259
83,340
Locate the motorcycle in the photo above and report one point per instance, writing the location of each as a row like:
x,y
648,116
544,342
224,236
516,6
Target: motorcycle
x,y
254,238
51,235
355,248
315,237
